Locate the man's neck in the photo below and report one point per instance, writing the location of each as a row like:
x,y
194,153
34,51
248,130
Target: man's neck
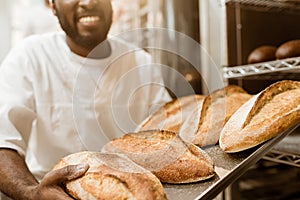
x,y
102,50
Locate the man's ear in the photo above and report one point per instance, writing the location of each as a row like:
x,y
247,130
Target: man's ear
x,y
53,8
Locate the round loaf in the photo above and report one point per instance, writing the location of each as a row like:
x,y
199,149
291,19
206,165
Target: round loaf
x,y
262,54
288,49
111,176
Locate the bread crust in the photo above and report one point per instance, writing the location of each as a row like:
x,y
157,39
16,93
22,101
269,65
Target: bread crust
x,y
111,176
288,49
172,115
217,108
164,154
263,117
262,54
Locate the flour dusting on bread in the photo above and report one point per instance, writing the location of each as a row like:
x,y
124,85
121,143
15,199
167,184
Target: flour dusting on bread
x,y
266,115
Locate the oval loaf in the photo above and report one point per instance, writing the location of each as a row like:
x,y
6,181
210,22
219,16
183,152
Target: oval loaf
x,y
111,176
263,117
165,155
204,126
262,54
288,49
172,115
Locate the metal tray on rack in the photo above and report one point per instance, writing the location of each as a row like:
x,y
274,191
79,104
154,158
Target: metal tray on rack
x,y
228,168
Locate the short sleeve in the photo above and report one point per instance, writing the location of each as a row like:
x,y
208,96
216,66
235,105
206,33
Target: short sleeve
x,y
16,100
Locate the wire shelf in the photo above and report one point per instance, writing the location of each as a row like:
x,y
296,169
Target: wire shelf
x,y
262,68
283,157
267,5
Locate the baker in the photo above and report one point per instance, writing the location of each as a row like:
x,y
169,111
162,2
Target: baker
x,y
66,92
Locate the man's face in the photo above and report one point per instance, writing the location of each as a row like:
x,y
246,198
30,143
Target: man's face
x,y
86,22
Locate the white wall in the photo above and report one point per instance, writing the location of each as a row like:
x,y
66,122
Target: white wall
x,y
5,24
213,41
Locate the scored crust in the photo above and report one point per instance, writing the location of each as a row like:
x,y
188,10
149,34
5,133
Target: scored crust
x,y
263,117
172,115
165,154
111,176
203,127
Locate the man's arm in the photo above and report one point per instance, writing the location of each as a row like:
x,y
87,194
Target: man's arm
x,y
18,183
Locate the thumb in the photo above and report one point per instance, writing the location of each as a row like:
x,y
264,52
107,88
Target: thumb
x,y
64,174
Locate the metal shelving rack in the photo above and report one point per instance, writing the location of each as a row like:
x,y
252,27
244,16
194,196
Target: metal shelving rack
x,y
284,65
262,68
267,5
283,157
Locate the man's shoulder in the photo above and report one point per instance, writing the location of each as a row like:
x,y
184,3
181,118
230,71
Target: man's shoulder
x,y
43,39
40,44
35,47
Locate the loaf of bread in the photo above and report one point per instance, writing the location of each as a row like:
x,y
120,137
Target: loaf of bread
x,y
165,155
203,127
262,54
172,115
111,176
288,49
263,117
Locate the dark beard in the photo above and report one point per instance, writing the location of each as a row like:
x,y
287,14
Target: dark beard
x,y
84,41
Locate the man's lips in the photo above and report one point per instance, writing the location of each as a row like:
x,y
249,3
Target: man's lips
x,y
89,19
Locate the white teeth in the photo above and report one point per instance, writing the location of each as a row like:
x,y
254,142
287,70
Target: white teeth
x,y
89,19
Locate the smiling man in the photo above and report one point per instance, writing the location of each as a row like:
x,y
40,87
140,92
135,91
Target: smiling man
x,y
85,22
66,92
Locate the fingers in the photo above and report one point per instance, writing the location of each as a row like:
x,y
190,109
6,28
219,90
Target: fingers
x,y
64,174
51,192
58,194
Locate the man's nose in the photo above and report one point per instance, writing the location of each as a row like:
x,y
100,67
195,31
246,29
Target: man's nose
x,y
87,3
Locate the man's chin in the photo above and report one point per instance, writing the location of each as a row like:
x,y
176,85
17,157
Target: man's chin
x,y
89,43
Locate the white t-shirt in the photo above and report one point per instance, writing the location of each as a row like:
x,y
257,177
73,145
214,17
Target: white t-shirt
x,y
54,102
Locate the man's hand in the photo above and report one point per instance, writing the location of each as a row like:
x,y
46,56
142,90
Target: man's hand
x,y
50,187
18,183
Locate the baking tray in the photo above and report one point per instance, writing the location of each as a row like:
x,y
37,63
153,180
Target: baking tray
x,y
228,168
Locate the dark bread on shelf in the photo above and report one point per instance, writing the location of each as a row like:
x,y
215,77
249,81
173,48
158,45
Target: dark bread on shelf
x,y
262,54
288,49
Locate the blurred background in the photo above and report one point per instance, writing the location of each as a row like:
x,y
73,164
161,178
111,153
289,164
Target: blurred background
x,y
227,31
